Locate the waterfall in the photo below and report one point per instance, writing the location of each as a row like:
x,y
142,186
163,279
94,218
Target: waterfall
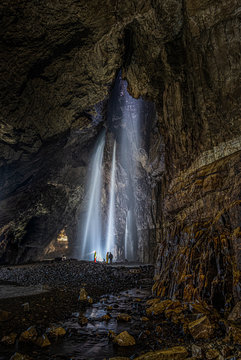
x,y
91,234
129,238
110,233
126,121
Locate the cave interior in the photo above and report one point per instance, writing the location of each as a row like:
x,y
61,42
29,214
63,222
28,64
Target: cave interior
x,y
120,132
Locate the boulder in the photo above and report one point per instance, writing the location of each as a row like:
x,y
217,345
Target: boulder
x,y
124,339
235,314
9,339
200,328
18,356
158,308
197,352
82,320
30,335
83,296
105,317
235,332
42,341
212,354
90,300
176,352
153,301
123,317
5,315
56,332
144,318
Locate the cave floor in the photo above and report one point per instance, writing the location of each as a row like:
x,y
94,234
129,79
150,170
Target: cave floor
x,y
114,290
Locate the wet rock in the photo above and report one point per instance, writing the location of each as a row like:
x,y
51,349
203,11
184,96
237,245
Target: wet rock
x,y
235,333
212,354
235,314
30,335
109,308
83,296
200,328
43,341
111,334
152,301
177,353
123,317
5,315
158,308
90,300
56,332
124,339
105,317
18,356
197,352
9,339
82,320
144,318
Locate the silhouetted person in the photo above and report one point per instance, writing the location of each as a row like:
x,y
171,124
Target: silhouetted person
x,y
110,257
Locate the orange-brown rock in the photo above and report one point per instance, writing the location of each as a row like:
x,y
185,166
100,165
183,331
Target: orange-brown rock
x,y
235,314
212,354
30,335
82,320
43,341
174,353
19,356
235,333
56,332
5,315
9,339
201,328
158,308
123,317
124,339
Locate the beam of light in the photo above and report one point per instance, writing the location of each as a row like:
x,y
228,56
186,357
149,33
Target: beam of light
x,y
92,229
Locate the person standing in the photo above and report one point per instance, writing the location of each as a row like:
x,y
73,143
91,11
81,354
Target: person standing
x,y
110,257
95,256
107,257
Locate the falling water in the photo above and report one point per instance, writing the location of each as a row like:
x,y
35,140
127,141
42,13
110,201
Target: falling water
x,y
129,237
92,229
110,234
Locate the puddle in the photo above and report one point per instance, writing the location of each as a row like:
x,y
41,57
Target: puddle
x,y
13,291
91,341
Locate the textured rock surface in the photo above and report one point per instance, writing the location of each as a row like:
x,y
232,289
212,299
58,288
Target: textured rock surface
x,y
58,63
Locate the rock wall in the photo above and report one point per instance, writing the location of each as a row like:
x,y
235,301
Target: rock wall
x,y
58,62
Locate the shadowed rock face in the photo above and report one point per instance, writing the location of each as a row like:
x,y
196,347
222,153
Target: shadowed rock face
x,y
58,61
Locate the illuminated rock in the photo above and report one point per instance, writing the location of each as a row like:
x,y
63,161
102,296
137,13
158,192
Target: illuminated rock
x,y
174,353
200,328
123,317
30,335
42,341
124,339
56,332
9,339
83,296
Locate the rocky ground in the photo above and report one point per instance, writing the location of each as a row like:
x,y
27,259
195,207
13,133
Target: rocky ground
x,y
87,312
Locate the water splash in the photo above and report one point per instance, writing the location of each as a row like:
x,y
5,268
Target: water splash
x,y
110,234
91,235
